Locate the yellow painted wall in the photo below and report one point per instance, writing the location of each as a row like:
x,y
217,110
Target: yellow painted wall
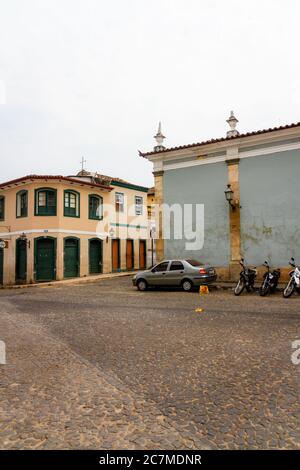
x,y
60,226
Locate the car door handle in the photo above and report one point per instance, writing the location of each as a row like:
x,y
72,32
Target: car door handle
x,y
181,272
164,274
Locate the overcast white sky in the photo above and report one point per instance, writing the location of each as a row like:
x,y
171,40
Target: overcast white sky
x,y
94,77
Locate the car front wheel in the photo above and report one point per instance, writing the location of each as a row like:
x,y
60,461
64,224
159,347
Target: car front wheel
x,y
142,285
187,285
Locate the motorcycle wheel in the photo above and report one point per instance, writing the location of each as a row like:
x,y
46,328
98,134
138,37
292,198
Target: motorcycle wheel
x,y
289,289
264,290
239,287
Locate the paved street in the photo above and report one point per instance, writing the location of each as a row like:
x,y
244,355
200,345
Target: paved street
x,y
101,365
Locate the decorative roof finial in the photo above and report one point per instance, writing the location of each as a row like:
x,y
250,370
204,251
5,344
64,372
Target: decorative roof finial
x,y
232,121
159,137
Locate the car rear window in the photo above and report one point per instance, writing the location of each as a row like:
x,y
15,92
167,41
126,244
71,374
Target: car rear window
x,y
194,262
176,266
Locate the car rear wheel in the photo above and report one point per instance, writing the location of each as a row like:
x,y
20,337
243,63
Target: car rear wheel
x,y
142,285
187,285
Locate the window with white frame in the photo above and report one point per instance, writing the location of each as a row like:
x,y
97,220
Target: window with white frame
x,y
138,205
71,204
119,202
22,203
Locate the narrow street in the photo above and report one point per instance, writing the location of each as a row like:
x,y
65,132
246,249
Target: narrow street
x,y
103,366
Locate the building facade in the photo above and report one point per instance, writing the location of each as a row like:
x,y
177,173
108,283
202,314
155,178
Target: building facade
x,y
56,227
151,221
256,217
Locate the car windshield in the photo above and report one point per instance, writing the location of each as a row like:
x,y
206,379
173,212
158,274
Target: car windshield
x,y
194,262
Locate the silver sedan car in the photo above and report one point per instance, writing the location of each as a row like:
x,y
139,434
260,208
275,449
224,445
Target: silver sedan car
x,y
186,274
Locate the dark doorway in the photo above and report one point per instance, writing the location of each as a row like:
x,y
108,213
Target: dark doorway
x,y
71,257
45,259
21,261
95,256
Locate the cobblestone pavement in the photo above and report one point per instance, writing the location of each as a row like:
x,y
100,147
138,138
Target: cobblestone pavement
x,y
104,366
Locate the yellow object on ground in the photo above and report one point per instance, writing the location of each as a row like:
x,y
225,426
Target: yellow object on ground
x,y
203,290
199,310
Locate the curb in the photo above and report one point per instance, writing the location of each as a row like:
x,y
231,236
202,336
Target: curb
x,y
231,286
80,280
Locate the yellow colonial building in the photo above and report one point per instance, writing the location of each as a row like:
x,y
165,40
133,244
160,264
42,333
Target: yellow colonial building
x,y
58,227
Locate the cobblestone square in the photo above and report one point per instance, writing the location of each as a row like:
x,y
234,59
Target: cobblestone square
x,y
103,366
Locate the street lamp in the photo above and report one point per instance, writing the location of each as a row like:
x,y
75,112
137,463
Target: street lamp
x,y
229,196
24,239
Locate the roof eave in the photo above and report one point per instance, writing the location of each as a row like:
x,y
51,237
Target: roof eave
x,y
226,141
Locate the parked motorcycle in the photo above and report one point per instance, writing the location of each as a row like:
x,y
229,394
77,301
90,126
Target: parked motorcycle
x,y
270,281
294,282
247,279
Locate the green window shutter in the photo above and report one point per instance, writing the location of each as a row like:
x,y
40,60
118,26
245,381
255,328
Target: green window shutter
x,y
22,203
95,207
45,202
71,204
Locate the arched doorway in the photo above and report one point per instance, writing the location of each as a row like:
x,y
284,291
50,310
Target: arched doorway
x,y
95,256
45,259
71,257
21,261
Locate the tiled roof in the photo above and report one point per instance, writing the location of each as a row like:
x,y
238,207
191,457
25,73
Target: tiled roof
x,y
222,139
102,177
110,180
53,177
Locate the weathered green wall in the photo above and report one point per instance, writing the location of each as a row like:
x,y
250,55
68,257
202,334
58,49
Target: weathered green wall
x,y
270,214
203,184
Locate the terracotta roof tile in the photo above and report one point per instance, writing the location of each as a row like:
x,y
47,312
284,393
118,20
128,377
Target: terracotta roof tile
x,y
53,177
222,139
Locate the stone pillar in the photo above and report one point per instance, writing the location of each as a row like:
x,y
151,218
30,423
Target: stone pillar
x,y
9,261
59,256
235,223
30,260
159,200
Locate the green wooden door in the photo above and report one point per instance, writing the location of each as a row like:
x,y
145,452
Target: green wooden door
x,y
71,257
45,259
1,265
21,261
95,256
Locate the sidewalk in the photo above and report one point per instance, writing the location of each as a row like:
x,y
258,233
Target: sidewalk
x,y
231,285
77,280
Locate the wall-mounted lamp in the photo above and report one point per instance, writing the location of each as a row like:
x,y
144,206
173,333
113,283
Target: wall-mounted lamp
x,y
24,239
229,197
111,234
